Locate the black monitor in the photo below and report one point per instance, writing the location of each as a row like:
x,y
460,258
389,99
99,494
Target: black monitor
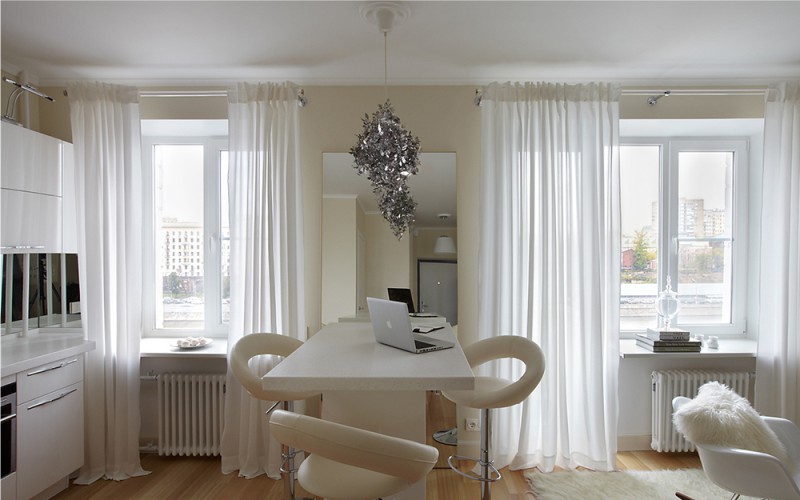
x,y
402,295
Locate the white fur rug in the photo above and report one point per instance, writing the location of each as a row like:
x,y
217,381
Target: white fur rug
x,y
633,485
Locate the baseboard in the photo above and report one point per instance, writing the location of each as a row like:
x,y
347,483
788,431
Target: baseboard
x,y
634,443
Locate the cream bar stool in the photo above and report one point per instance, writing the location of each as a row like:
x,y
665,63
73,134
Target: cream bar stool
x,y
347,463
257,344
493,392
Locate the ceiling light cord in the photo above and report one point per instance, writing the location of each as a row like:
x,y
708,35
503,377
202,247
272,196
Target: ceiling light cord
x,y
385,66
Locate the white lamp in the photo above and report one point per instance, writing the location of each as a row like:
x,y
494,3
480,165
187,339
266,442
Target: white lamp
x,y
444,244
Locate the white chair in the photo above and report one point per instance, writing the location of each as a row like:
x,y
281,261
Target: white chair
x,y
752,473
347,463
257,344
493,392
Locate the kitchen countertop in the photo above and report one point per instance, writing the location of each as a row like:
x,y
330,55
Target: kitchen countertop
x,y
23,353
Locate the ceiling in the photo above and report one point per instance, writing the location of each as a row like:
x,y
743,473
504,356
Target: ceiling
x,y
324,43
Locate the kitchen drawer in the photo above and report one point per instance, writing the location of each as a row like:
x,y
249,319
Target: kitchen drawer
x,y
49,439
47,378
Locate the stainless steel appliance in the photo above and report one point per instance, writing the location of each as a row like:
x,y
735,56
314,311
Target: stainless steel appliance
x,y
9,429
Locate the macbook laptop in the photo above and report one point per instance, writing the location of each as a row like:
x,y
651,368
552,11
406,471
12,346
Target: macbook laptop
x,y
392,326
402,295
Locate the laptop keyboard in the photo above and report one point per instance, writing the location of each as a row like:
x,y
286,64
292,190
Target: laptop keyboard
x,y
422,345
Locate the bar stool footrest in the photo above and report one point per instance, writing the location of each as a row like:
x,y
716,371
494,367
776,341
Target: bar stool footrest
x,y
484,466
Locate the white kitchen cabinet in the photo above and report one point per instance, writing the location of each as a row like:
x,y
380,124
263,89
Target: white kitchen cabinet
x,y
31,222
30,161
49,425
31,178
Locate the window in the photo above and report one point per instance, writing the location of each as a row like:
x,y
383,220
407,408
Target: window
x,y
684,218
187,275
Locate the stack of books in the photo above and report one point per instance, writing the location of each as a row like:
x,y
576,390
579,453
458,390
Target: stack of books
x,y
672,340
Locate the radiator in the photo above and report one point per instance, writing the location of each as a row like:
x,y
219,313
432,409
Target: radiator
x,y
190,413
668,384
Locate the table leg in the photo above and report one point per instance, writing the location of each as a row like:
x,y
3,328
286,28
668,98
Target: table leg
x,y
401,414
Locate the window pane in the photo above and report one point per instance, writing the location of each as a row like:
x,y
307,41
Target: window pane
x,y
179,228
639,184
225,236
705,219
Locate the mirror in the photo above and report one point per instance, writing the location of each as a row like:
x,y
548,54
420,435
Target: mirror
x,y
360,255
45,284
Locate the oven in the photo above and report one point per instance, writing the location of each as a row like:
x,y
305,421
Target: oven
x,y
9,428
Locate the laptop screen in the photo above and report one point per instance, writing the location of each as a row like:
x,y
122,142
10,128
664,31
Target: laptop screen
x,y
402,295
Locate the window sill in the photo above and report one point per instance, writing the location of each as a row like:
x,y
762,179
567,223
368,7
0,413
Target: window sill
x,y
728,348
160,347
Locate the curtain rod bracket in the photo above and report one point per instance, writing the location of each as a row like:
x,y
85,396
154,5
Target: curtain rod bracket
x,y
653,99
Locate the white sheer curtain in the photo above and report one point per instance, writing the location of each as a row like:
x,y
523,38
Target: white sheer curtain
x,y
266,215
108,182
778,360
549,265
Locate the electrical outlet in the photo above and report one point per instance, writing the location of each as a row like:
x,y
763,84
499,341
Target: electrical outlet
x,y
471,424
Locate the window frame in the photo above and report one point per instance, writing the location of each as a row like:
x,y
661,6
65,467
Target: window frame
x,y
213,146
668,214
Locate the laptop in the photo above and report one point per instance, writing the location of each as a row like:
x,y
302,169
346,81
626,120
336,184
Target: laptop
x,y
402,295
392,326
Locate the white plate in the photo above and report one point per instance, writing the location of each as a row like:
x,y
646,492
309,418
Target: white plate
x,y
203,343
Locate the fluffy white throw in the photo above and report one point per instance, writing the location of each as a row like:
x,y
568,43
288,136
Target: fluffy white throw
x,y
718,416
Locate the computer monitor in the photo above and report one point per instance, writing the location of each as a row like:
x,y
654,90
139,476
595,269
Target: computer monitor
x,y
402,295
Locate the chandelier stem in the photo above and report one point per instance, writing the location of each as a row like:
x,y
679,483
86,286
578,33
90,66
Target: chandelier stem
x,y
385,66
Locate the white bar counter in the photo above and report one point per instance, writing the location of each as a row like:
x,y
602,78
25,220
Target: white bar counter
x,y
345,357
370,385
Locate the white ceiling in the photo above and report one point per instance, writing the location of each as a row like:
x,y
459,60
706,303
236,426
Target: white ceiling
x,y
453,42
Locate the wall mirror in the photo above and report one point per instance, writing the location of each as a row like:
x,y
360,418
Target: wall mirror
x,y
360,255
46,285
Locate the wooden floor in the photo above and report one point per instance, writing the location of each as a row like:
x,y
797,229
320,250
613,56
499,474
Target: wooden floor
x,y
200,477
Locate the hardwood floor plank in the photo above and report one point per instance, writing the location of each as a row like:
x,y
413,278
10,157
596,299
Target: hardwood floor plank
x,y
201,478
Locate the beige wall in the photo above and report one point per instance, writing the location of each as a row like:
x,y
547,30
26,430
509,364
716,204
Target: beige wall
x,y
338,286
444,118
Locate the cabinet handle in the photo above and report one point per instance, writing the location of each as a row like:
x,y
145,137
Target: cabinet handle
x,y
9,417
51,368
52,400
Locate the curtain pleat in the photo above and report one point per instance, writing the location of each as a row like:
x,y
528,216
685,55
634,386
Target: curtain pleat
x,y
778,358
266,221
549,259
108,185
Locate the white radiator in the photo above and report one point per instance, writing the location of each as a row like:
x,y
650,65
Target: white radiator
x,y
668,384
190,413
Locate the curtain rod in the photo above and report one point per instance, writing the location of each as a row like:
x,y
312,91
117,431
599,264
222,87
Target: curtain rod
x,y
700,92
655,95
302,100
